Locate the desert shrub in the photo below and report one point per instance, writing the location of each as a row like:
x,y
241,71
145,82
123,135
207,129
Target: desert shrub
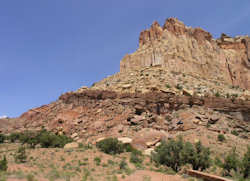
x,y
2,138
30,177
217,94
231,162
179,86
29,137
45,138
234,132
246,164
136,158
123,165
50,140
169,154
97,160
128,148
20,156
218,162
110,146
221,137
199,158
168,86
14,137
3,164
176,153
235,95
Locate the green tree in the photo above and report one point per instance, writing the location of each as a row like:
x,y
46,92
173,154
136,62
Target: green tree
x,y
110,146
14,136
170,154
231,162
246,164
45,138
176,153
3,164
2,138
200,158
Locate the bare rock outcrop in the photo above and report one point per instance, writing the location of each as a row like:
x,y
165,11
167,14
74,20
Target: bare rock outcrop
x,y
95,113
177,47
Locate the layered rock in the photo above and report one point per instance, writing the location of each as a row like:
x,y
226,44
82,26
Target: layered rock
x,y
177,47
179,79
94,113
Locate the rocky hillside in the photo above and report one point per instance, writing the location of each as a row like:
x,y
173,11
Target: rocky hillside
x,y
179,81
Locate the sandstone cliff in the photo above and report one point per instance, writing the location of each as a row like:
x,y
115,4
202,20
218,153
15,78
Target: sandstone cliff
x,y
179,48
178,74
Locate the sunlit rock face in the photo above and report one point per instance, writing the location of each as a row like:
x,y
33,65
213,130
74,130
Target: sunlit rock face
x,y
179,48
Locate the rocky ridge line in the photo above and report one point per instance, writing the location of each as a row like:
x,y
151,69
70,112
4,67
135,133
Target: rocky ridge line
x,y
177,47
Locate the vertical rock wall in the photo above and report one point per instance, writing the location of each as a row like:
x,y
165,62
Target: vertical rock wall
x,y
177,47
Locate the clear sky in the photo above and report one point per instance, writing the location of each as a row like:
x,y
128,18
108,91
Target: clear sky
x,y
48,47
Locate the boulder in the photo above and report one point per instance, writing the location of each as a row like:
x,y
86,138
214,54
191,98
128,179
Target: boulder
x,y
187,92
153,143
213,119
147,137
137,119
74,135
148,151
100,139
125,140
71,145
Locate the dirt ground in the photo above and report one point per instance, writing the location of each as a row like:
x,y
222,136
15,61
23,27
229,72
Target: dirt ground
x,y
88,163
77,164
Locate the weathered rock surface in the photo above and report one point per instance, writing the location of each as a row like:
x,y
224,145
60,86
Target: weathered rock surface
x,y
71,145
179,48
157,115
179,80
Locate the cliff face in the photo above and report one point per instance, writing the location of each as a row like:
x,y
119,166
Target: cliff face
x,y
177,74
179,48
95,113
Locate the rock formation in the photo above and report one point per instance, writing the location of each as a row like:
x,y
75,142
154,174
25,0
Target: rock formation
x,y
178,75
179,48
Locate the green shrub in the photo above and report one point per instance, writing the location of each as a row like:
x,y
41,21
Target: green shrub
x,y
128,148
50,140
14,136
168,86
178,86
246,164
169,154
217,94
2,138
218,162
221,137
110,146
235,95
231,162
123,165
45,138
199,158
3,164
30,177
20,156
234,132
176,153
97,160
29,137
136,158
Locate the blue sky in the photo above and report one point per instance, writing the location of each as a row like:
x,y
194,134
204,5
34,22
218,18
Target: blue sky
x,y
48,47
